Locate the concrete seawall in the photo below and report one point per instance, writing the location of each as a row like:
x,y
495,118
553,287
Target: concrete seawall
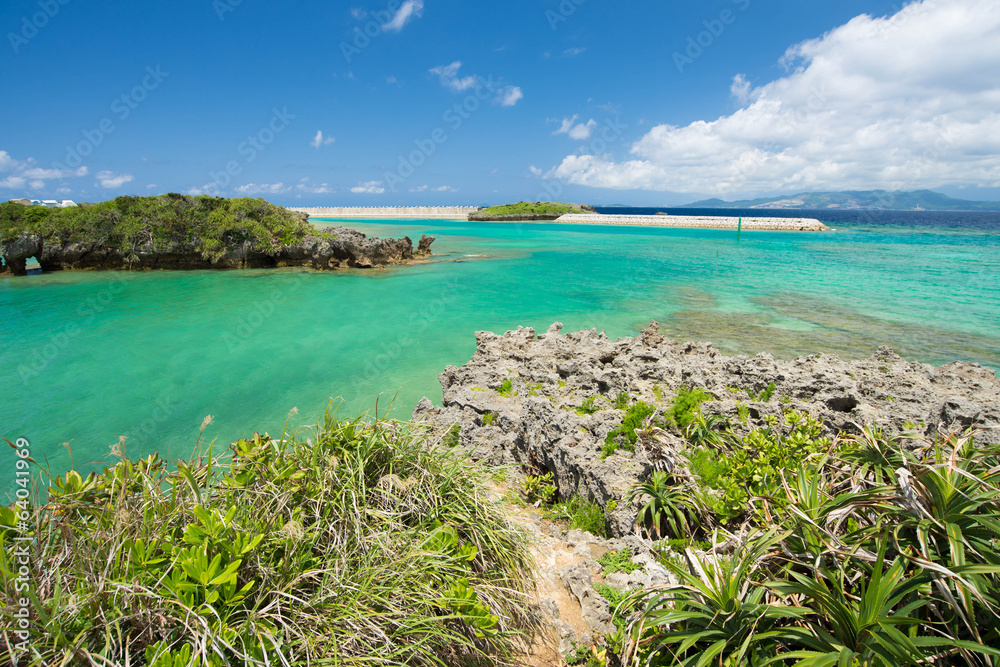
x,y
443,212
699,222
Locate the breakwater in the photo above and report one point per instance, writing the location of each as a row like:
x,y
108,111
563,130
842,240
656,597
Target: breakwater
x,y
699,222
445,212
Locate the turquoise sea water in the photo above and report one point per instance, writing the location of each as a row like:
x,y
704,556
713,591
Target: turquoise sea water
x,y
89,357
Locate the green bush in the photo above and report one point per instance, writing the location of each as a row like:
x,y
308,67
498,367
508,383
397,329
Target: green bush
x,y
589,406
538,488
358,544
622,399
618,561
507,388
580,514
685,405
754,466
846,564
624,437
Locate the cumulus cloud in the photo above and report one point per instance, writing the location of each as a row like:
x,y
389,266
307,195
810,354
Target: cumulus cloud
x,y
319,140
448,74
369,188
509,96
535,171
409,10
25,173
13,182
576,131
111,180
263,188
904,101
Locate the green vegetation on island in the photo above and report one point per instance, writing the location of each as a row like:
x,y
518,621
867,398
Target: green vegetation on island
x,y
543,210
359,544
124,224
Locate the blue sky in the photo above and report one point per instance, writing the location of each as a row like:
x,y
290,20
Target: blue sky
x,y
641,103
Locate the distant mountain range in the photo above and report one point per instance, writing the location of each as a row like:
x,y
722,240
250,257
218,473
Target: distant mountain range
x,y
917,200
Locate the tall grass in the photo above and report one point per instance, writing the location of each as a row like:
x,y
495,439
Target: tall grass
x,y
351,543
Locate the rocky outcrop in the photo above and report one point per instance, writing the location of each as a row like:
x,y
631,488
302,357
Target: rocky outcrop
x,y
539,429
335,248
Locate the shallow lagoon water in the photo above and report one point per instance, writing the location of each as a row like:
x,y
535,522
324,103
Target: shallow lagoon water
x,y
89,357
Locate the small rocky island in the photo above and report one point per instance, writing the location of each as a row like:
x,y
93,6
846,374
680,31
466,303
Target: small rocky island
x,y
177,232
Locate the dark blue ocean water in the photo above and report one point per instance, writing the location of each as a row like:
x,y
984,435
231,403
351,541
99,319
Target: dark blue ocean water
x,y
952,220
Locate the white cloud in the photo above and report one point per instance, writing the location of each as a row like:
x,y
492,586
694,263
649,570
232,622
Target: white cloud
x,y
576,131
506,96
111,180
510,96
574,51
207,189
359,14
13,182
322,189
151,186
369,188
535,171
906,101
426,188
263,188
740,89
319,140
27,174
409,9
391,79
448,74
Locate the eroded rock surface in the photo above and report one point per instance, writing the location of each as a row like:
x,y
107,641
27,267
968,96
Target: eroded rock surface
x,y
538,428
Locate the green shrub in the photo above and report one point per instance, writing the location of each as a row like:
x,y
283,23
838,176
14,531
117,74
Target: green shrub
x,y
755,465
624,437
507,388
765,394
847,565
538,488
580,514
621,603
686,403
622,400
589,406
358,544
671,506
618,561
489,418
